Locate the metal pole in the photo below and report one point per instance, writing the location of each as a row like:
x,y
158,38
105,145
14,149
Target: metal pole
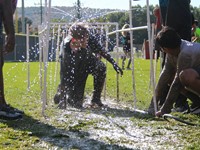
x,y
45,58
23,18
117,44
151,54
27,57
41,46
105,84
129,29
132,54
41,11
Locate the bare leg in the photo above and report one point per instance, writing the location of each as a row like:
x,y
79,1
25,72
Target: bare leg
x,y
191,80
2,97
123,61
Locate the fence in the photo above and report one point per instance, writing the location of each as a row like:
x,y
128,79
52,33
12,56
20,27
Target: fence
x,y
20,54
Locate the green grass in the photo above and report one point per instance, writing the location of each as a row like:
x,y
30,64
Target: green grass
x,y
26,133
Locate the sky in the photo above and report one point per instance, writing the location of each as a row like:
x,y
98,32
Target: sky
x,y
111,4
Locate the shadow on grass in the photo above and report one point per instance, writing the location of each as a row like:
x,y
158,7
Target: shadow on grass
x,y
56,137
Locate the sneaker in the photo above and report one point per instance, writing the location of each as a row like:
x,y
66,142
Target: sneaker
x,y
195,110
182,109
151,111
97,104
128,68
14,109
8,114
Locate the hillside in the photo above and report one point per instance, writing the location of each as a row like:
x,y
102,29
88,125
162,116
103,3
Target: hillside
x,y
62,14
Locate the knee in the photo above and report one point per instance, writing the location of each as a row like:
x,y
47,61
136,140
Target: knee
x,y
188,76
102,67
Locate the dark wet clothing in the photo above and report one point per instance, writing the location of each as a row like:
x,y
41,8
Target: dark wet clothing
x,y
127,50
126,43
75,68
1,28
163,9
179,17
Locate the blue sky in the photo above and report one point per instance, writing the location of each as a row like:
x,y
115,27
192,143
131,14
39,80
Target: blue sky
x,y
112,4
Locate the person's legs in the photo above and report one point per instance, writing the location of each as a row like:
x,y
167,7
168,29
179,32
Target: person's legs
x,y
193,97
6,111
2,97
99,74
129,61
190,78
78,96
123,61
181,104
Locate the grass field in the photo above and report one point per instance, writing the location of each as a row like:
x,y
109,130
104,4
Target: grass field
x,y
34,128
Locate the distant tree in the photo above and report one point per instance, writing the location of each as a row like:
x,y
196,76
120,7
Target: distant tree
x,y
139,15
27,21
196,12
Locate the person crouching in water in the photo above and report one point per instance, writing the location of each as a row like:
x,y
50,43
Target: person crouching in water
x,y
78,60
181,71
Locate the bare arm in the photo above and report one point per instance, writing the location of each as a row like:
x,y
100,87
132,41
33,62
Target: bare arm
x,y
165,79
8,25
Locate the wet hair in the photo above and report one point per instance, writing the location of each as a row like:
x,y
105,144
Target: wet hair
x,y
125,27
78,30
168,38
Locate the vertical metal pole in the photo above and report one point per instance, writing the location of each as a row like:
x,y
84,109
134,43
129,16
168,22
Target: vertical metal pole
x,y
23,18
45,57
27,57
105,84
151,54
57,56
132,53
41,46
117,44
41,11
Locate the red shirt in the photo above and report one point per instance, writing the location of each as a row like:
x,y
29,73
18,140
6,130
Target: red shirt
x,y
158,18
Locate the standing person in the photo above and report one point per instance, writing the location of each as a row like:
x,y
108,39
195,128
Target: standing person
x,y
78,60
7,8
163,11
181,71
126,47
196,32
158,27
179,17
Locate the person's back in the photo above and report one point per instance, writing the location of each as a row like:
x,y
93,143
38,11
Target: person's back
x,y
191,50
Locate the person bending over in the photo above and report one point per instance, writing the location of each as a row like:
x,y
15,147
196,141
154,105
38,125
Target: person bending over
x,y
181,71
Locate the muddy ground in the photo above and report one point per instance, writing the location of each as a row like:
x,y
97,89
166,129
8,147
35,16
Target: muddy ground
x,y
116,127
